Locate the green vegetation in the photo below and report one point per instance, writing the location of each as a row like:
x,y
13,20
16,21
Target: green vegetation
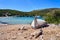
x,y
51,15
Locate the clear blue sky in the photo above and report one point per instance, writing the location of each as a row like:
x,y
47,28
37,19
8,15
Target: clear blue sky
x,y
29,5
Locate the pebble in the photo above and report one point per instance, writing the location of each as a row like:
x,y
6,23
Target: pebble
x,y
13,37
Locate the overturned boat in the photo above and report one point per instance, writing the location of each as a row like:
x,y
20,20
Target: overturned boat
x,y
38,22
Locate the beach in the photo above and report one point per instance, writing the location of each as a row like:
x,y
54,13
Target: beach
x,y
17,32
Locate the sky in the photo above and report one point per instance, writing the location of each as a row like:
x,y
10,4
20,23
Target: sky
x,y
29,5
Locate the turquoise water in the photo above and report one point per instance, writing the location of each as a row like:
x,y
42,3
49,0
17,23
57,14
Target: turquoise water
x,y
16,20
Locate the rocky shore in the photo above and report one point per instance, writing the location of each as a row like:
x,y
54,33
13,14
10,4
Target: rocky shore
x,y
25,32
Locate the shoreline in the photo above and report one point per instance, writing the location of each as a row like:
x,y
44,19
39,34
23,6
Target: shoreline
x,y
15,32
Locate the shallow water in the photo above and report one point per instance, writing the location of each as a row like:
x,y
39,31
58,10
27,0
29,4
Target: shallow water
x,y
16,20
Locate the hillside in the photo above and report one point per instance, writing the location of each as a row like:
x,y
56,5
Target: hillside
x,y
10,12
51,15
45,11
31,13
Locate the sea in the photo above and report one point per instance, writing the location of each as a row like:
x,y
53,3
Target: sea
x,y
16,20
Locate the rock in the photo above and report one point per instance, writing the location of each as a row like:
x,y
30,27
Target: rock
x,y
25,37
36,33
30,37
2,33
59,25
38,23
18,28
23,28
41,37
53,25
58,34
13,37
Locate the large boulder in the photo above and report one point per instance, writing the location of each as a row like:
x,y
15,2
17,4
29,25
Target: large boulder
x,y
39,23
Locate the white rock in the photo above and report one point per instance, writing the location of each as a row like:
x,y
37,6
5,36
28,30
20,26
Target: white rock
x,y
37,24
22,27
